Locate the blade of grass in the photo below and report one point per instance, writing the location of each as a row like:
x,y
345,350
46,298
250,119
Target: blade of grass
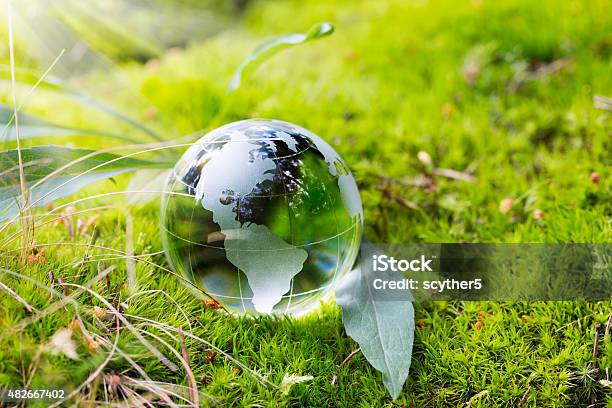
x,y
129,250
267,49
22,179
50,160
42,195
25,322
36,127
193,388
45,189
261,379
145,261
126,323
9,118
184,359
32,126
155,291
42,223
18,298
91,377
158,147
176,387
54,84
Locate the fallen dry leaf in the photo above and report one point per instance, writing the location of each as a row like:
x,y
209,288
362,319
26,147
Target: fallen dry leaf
x,y
212,304
290,380
62,343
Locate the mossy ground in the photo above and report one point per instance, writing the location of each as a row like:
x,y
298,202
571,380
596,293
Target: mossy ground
x,y
502,90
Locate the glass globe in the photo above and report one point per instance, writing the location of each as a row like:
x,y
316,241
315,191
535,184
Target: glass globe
x,y
263,215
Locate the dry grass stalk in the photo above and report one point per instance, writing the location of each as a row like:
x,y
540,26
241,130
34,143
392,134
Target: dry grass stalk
x,y
28,228
193,388
18,298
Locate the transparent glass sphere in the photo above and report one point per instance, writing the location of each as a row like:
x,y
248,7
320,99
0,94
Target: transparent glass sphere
x,y
263,215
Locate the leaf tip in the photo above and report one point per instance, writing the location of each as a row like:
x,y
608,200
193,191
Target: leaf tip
x,y
321,30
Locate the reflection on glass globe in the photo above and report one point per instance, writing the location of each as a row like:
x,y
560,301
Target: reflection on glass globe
x,y
263,215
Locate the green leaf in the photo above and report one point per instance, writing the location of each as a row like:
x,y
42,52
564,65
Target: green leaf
x,y
268,48
82,168
40,161
54,84
32,126
50,190
383,329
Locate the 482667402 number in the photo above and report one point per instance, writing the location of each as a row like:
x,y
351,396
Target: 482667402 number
x,y
23,394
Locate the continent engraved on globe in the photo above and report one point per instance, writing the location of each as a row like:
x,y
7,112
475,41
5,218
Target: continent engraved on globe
x,y
270,272
267,203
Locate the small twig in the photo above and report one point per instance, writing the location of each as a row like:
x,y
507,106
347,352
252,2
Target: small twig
x,y
92,240
476,398
101,269
553,67
93,388
608,326
454,174
577,321
33,367
63,285
406,203
602,102
91,377
347,359
390,195
596,345
24,204
153,387
594,356
162,358
417,182
193,391
188,371
129,251
25,322
18,298
51,276
525,395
